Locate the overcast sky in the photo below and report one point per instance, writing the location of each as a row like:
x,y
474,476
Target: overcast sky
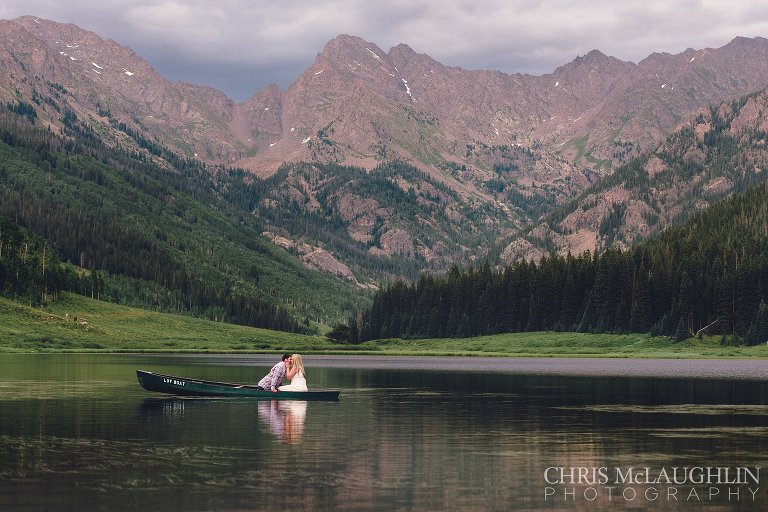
x,y
241,46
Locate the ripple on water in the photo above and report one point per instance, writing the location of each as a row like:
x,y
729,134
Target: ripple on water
x,y
699,409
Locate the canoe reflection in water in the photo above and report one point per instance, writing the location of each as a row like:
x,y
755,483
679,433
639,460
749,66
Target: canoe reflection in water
x,y
285,419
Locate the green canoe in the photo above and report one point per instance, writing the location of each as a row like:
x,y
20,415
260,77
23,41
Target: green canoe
x,y
195,387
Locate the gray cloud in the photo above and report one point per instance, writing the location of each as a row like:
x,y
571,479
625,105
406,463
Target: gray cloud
x,y
240,46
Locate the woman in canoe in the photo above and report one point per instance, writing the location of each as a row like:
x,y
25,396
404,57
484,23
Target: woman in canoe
x,y
296,374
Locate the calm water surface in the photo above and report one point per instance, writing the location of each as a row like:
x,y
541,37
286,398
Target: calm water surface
x,y
78,433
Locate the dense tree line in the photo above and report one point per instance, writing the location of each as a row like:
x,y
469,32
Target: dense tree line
x,y
30,269
22,108
115,212
707,276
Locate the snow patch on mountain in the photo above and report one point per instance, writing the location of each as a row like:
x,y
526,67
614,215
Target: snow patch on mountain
x,y
408,89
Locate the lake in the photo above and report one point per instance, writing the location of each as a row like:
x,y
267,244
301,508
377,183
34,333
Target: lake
x,y
409,433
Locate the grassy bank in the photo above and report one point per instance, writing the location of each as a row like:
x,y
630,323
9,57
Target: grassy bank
x,y
76,323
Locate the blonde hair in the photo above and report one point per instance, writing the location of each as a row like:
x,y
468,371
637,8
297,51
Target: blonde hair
x,y
298,364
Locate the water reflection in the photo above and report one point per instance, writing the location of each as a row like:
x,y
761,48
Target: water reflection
x,y
80,430
163,408
284,419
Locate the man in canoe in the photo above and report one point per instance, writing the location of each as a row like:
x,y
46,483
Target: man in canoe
x,y
274,378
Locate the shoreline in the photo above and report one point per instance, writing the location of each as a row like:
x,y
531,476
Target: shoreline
x,y
110,328
682,356
594,367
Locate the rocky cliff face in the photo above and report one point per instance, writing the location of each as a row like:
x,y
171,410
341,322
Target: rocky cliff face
x,y
717,151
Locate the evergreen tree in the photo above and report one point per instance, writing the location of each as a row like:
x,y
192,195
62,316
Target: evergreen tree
x,y
587,318
681,333
569,308
641,314
621,317
758,331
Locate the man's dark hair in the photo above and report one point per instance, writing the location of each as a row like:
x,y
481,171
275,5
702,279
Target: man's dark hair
x,y
286,356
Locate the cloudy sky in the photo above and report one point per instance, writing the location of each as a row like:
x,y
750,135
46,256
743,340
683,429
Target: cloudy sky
x,y
240,46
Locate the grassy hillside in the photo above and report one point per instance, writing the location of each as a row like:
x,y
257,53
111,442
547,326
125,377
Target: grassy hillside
x,y
158,223
76,323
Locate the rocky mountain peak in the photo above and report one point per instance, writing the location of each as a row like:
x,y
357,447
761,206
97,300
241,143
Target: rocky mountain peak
x,y
345,44
593,56
594,61
484,134
402,54
351,55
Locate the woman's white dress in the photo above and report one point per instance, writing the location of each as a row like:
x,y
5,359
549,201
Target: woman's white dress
x,y
298,383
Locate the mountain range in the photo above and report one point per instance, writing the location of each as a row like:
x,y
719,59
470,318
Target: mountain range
x,y
719,151
374,164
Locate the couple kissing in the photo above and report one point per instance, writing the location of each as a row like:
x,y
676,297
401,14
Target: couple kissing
x,y
291,367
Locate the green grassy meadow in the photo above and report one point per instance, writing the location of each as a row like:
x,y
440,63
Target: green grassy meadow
x,y
79,324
